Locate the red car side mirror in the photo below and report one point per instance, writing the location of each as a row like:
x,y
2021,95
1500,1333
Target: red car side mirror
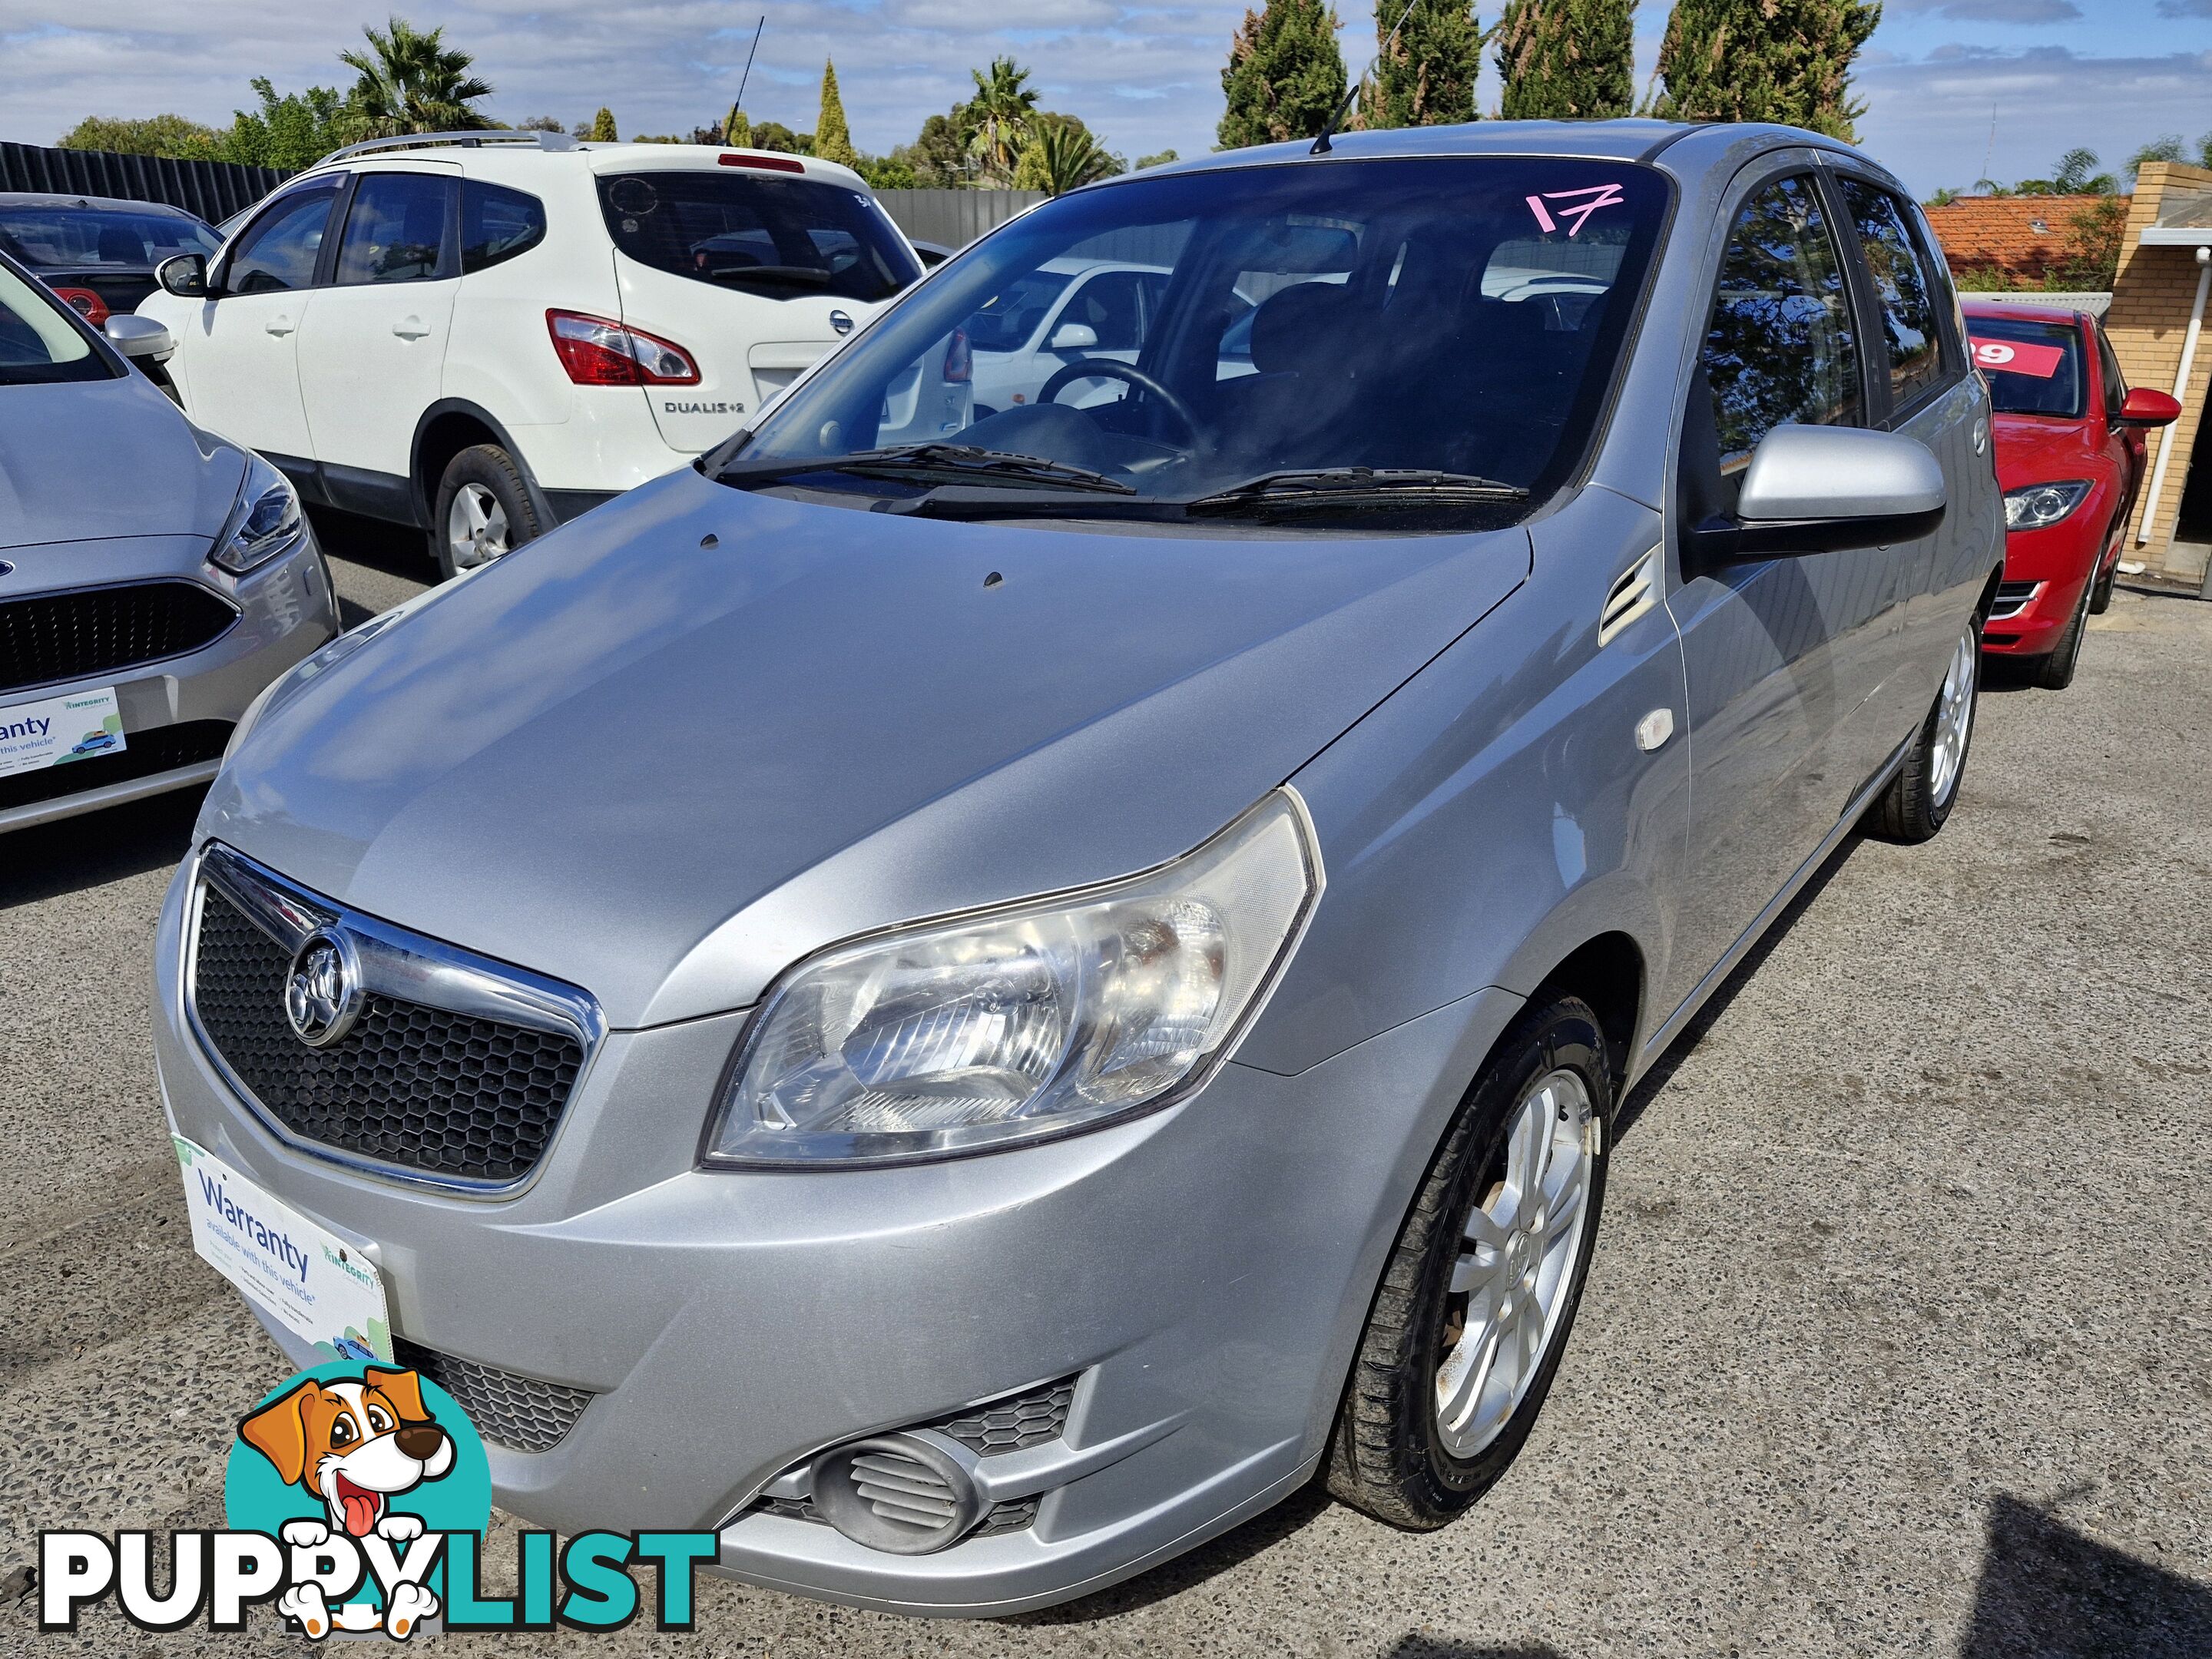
x,y
2144,407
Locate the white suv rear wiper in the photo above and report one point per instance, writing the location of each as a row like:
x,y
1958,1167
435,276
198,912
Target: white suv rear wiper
x,y
963,463
1336,487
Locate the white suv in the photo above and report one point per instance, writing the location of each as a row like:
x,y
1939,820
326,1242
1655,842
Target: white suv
x,y
486,334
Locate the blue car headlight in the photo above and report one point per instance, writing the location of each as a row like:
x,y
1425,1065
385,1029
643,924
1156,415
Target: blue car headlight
x,y
1028,1021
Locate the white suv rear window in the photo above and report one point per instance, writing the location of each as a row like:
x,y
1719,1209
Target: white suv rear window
x,y
778,238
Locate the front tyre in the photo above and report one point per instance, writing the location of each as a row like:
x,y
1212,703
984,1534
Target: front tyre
x,y
2055,672
482,511
1480,1289
1920,797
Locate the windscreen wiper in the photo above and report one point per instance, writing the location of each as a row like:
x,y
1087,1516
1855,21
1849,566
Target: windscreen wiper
x,y
1311,488
954,463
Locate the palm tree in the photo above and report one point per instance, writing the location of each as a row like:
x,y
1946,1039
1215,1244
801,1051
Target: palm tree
x,y
1001,109
410,83
1060,157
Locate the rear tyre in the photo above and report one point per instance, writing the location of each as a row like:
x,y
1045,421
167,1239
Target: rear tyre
x,y
2054,672
1480,1289
1920,797
483,512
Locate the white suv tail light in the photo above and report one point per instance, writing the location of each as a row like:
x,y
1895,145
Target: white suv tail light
x,y
597,352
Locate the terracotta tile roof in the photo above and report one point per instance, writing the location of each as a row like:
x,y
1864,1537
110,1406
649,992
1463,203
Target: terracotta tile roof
x,y
2021,236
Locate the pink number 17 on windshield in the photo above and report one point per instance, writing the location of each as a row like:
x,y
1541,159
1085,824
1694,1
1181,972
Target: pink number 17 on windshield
x,y
1576,205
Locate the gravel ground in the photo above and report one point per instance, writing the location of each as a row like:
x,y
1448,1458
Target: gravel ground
x,y
1899,1339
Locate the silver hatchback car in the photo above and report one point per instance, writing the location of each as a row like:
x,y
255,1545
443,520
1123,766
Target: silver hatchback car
x,y
154,578
971,1013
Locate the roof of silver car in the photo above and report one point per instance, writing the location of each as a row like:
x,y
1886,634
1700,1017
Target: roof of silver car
x,y
1627,140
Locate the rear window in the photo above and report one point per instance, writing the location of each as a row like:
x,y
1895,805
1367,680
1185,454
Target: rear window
x,y
2032,368
779,237
40,341
86,238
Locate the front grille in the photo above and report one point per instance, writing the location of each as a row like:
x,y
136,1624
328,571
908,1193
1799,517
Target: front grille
x,y
2011,598
144,754
409,1085
520,1412
45,638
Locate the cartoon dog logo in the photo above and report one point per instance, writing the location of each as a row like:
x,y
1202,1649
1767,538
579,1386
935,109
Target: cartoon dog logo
x,y
356,1446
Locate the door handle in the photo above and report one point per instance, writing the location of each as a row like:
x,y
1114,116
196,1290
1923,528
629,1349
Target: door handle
x,y
279,325
411,328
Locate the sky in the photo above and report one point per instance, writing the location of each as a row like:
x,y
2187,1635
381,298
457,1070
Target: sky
x,y
1956,89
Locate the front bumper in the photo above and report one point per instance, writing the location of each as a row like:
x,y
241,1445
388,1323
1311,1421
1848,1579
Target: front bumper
x,y
286,611
1203,1272
2046,572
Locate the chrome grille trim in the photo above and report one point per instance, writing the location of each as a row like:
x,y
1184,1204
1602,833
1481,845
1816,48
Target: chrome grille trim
x,y
2013,597
397,963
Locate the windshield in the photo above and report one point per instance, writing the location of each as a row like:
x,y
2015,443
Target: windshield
x,y
2032,368
85,239
1448,326
39,342
778,238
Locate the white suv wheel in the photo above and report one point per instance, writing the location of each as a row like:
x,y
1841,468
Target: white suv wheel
x,y
476,527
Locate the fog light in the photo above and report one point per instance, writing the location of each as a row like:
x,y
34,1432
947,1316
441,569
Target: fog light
x,y
897,1493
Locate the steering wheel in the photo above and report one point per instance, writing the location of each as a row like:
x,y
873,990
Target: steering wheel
x,y
1085,368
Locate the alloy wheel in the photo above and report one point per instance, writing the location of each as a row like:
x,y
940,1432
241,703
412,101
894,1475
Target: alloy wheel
x,y
1518,1247
1955,719
476,527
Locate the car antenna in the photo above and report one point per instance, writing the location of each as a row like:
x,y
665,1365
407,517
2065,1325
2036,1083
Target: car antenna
x,y
746,76
1321,146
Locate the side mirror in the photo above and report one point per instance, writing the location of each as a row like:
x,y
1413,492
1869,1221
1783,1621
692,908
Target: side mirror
x,y
1820,490
185,275
1073,337
2143,407
139,337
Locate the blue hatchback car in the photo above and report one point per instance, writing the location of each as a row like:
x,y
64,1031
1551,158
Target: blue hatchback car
x,y
968,1013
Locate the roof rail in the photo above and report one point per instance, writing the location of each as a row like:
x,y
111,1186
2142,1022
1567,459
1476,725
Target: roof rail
x,y
555,140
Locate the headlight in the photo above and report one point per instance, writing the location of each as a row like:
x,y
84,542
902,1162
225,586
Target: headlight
x,y
2042,504
1033,1020
264,521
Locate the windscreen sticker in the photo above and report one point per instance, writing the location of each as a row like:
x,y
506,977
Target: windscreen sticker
x,y
1574,204
2019,357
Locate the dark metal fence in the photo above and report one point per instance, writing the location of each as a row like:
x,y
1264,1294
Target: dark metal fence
x,y
954,218
214,189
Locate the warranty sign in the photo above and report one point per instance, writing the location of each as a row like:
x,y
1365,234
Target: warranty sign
x,y
304,1276
78,727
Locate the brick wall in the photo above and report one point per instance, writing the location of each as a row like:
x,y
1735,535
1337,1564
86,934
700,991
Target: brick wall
x,y
2151,300
1982,232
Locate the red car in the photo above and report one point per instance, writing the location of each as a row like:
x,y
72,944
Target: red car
x,y
2070,450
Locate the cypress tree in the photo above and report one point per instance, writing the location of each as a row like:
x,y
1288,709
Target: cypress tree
x,y
833,140
1567,59
603,129
1765,60
1426,76
1285,78
738,130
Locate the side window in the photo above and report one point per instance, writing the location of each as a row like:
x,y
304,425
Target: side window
x,y
497,224
1911,334
1107,304
1779,348
397,230
278,251
2116,385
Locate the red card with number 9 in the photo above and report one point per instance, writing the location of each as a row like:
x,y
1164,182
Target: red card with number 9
x,y
2019,357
